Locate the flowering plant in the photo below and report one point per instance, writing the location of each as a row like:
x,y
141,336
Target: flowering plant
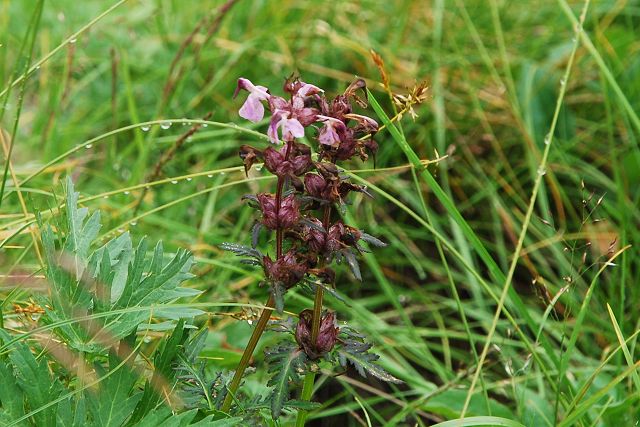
x,y
308,239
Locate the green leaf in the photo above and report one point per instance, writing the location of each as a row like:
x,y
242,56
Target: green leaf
x,y
113,277
286,363
355,350
164,373
33,379
11,396
114,403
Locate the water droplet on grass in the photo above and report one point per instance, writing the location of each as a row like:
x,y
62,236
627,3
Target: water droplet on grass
x,y
165,125
547,139
209,175
145,128
174,181
88,146
189,179
204,125
126,193
542,171
73,40
134,223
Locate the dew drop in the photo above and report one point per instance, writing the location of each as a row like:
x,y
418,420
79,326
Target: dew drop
x,y
259,168
120,230
189,179
562,82
165,125
145,128
126,193
204,125
209,175
105,197
174,181
189,138
73,40
88,146
542,171
223,173
134,223
547,139
250,322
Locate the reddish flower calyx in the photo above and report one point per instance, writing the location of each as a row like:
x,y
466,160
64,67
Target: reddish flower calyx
x,y
286,217
327,335
287,270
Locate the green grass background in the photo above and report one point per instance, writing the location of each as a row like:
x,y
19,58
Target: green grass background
x,y
495,69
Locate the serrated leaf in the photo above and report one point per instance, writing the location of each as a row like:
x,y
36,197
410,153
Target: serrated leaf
x,y
286,363
32,377
113,404
355,350
365,363
241,250
165,357
11,395
113,277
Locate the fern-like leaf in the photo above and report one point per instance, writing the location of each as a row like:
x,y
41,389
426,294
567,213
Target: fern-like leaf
x,y
287,364
355,350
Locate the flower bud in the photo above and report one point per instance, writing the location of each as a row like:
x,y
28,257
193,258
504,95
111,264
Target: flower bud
x,y
315,185
286,217
327,335
289,212
314,235
287,270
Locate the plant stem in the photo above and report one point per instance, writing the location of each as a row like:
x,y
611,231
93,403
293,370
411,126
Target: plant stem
x,y
248,352
307,391
264,316
307,387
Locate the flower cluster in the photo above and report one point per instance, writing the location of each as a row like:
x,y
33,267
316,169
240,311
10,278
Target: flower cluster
x,y
306,185
309,186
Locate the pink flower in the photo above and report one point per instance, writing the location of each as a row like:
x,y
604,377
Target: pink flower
x,y
329,134
252,109
290,128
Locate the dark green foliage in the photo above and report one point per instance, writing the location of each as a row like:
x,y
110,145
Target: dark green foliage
x,y
287,364
354,350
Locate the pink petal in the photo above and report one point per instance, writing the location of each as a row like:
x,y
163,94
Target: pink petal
x,y
308,90
293,127
252,109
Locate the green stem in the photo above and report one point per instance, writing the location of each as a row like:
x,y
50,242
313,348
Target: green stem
x,y
248,352
307,392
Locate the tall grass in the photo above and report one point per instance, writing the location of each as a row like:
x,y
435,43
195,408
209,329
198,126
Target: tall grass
x,y
507,291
